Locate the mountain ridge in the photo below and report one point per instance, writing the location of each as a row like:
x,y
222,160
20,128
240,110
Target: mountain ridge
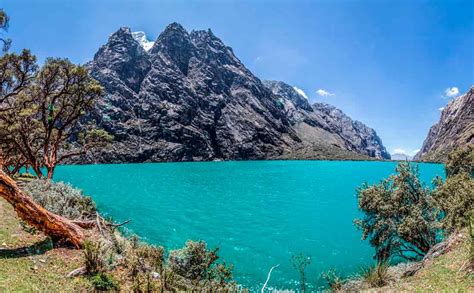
x,y
454,129
189,98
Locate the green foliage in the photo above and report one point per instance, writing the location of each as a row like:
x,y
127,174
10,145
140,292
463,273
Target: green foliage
x,y
103,282
300,262
455,198
333,280
461,161
93,258
194,261
42,111
60,198
4,20
377,275
400,219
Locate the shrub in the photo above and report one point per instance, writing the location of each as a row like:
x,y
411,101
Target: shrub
x,y
93,258
460,161
60,198
103,282
455,198
400,218
300,262
377,275
194,261
333,280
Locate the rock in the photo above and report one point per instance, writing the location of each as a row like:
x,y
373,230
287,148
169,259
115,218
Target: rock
x,y
187,97
155,275
454,129
327,123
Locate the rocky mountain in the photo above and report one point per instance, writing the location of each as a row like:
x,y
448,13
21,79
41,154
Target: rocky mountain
x,y
324,126
187,97
454,129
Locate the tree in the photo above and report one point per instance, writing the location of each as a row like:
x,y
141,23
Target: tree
x,y
58,228
16,77
455,197
4,20
460,160
400,218
42,120
17,72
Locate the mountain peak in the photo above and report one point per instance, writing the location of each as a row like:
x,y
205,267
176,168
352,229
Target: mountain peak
x,y
175,27
141,38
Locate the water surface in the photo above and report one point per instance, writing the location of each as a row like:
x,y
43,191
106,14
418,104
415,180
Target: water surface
x,y
259,213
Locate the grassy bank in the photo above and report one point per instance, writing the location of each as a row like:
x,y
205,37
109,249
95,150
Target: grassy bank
x,y
450,272
28,263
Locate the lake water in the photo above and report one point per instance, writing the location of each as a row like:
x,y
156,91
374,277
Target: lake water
x,y
259,213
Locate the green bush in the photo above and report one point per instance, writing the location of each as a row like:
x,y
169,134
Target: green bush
x,y
455,198
194,261
103,282
461,161
377,275
60,198
93,258
333,280
300,262
399,216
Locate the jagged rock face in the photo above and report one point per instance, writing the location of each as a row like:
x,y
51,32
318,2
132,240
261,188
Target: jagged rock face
x,y
454,129
322,123
187,97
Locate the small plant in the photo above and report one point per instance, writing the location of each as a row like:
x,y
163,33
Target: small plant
x,y
377,275
300,262
103,282
93,260
333,280
61,198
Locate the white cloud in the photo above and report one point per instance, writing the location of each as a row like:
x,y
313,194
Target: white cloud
x,y
301,92
405,152
324,93
399,151
451,92
441,109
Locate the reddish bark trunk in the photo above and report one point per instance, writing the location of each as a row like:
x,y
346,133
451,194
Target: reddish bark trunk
x,y
57,227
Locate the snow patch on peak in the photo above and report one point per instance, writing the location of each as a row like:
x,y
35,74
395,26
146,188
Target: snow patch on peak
x,y
140,37
301,92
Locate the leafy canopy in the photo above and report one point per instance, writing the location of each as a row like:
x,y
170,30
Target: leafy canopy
x,y
400,218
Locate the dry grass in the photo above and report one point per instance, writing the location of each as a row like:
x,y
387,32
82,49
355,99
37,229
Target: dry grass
x,y
450,272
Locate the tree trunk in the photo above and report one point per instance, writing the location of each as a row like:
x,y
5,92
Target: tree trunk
x,y
58,228
50,172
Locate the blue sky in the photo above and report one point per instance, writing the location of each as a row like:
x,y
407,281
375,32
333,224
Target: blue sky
x,y
385,63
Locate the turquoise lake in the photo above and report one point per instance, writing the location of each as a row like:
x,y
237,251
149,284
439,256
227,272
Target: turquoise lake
x,y
259,213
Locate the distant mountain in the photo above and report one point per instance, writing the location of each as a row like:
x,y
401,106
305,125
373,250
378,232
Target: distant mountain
x,y
324,126
401,157
187,97
454,129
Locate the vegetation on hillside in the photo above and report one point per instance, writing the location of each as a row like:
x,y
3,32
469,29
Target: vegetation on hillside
x,y
403,219
41,126
109,261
